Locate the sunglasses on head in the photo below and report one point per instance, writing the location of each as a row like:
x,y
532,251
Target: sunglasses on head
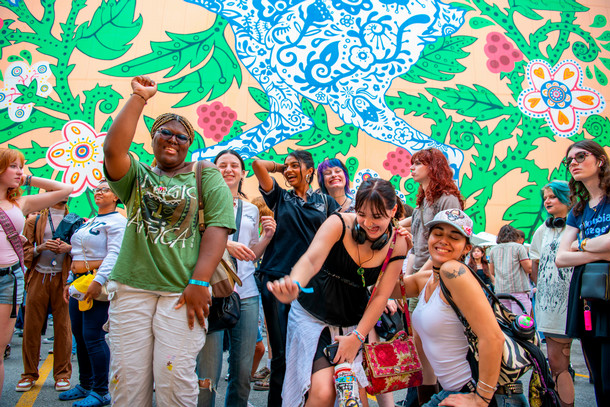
x,y
578,157
167,135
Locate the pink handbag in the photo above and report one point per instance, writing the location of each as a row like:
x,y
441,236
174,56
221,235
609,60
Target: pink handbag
x,y
392,365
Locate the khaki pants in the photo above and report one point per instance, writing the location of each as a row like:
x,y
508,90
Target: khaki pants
x,y
44,291
150,342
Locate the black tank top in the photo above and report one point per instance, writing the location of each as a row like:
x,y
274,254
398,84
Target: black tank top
x,y
339,299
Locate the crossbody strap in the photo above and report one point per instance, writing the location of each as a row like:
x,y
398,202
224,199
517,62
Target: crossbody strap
x,y
12,236
201,214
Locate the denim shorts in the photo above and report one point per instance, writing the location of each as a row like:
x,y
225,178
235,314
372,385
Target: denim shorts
x,y
6,287
514,400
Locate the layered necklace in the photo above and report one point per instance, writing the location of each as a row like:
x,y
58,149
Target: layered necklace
x,y
436,273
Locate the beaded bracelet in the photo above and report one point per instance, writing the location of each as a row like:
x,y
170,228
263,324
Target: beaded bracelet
x,y
199,282
360,337
28,181
143,98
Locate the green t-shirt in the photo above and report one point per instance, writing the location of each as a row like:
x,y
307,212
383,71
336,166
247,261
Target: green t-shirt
x,y
162,238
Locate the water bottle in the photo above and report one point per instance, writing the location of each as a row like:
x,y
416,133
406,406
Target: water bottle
x,y
346,386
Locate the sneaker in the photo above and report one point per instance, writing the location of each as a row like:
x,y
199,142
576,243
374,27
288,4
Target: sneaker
x,y
25,384
93,399
62,385
262,385
19,332
227,378
7,351
48,340
261,374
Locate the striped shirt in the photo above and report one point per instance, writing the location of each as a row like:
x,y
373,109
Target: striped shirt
x,y
510,276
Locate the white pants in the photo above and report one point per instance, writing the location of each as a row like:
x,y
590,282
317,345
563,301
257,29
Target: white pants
x,y
150,342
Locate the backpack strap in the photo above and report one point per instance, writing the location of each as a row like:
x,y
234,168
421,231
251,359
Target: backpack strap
x,y
13,237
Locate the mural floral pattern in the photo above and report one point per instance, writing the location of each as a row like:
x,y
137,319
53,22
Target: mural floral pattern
x,y
358,80
79,155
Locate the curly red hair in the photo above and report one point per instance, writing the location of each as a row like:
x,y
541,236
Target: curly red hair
x,y
441,177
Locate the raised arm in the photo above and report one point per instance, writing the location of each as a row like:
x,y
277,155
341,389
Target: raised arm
x,y
55,192
286,289
121,133
262,169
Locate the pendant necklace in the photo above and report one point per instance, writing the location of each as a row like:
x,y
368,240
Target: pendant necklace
x,y
360,270
436,273
163,188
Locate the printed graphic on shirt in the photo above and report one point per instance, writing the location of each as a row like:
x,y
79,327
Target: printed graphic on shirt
x,y
591,227
166,213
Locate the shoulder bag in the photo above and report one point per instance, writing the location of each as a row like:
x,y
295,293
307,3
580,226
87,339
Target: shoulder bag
x,y
226,305
595,282
521,341
392,365
225,276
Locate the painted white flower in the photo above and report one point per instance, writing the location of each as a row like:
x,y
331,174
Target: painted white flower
x,y
20,73
362,57
80,155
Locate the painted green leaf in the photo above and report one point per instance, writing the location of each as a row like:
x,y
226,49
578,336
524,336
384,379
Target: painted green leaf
x,y
352,167
32,154
142,154
606,62
213,79
526,214
605,36
606,46
438,61
4,33
553,5
462,6
601,77
599,21
109,32
106,125
479,102
37,120
259,97
588,73
464,134
479,22
527,12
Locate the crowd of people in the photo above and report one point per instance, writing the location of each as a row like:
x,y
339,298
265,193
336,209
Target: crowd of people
x,y
133,291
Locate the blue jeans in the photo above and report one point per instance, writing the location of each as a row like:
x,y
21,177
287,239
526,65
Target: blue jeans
x,y
514,400
242,341
92,352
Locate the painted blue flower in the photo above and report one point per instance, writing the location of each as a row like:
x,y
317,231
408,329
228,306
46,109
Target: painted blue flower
x,y
361,56
320,96
347,20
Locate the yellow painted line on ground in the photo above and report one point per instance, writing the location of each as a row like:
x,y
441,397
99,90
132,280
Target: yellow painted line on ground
x,y
581,375
29,397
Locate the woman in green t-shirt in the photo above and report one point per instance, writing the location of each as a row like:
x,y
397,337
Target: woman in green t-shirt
x,y
164,262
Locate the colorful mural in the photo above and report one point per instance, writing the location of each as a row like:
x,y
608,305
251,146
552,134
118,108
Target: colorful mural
x,y
502,87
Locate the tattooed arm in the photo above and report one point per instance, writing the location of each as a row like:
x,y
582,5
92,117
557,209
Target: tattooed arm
x,y
470,299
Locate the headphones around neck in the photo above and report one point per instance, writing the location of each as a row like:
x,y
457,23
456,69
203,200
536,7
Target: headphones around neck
x,y
556,223
359,236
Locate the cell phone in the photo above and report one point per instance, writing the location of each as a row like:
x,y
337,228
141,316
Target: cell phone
x,y
331,351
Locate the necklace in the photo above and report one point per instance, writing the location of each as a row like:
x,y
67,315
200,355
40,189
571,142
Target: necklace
x,y
164,188
360,270
436,273
344,201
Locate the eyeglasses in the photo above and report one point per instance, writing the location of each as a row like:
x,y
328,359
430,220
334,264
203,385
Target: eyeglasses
x,y
578,157
167,135
102,190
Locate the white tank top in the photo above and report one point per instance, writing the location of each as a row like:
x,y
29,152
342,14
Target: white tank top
x,y
7,253
443,339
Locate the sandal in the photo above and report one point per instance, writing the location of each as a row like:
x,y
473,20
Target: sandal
x,y
93,400
62,384
25,384
78,392
260,374
262,385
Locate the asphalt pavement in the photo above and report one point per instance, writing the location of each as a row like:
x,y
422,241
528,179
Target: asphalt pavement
x,y
44,394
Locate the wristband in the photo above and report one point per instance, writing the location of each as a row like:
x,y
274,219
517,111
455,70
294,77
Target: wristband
x,y
28,181
360,337
199,283
305,290
143,98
